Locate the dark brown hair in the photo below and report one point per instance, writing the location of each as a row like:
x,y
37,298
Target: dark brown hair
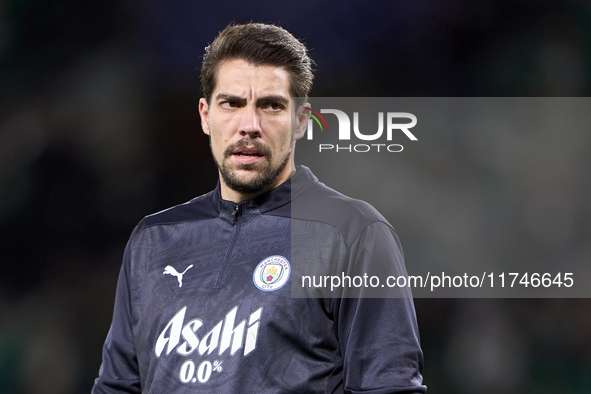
x,y
259,44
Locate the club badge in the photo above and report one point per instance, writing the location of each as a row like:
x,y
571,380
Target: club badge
x,y
272,273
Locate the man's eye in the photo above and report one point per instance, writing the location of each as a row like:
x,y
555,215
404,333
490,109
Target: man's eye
x,y
274,106
229,104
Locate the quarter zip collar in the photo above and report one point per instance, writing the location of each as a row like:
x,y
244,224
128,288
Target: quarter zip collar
x,y
283,194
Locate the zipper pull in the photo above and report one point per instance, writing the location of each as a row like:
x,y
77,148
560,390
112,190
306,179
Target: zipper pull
x,y
235,211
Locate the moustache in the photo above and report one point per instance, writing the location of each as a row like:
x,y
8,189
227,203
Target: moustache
x,y
247,142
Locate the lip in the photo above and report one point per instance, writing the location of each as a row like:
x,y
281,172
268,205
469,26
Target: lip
x,y
247,155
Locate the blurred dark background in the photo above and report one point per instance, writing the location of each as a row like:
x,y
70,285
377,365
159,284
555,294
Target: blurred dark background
x,y
99,127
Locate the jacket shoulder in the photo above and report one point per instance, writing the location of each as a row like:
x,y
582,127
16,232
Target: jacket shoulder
x,y
199,208
324,204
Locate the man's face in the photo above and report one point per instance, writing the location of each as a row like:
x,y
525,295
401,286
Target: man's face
x,y
249,121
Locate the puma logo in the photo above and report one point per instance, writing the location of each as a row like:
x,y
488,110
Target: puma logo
x,y
169,270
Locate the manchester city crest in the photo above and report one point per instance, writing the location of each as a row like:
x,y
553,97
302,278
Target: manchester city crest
x,y
272,273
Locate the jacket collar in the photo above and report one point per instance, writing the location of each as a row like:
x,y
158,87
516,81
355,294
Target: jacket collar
x,y
302,180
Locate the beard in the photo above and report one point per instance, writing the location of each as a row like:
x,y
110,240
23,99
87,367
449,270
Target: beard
x,y
264,177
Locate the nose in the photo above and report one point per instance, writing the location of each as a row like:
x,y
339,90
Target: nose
x,y
249,122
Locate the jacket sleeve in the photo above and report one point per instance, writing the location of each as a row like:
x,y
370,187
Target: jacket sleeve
x,y
376,326
119,370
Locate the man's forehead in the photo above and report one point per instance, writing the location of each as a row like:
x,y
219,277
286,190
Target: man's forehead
x,y
243,79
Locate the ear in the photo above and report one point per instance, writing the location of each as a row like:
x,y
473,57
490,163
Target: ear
x,y
301,121
204,112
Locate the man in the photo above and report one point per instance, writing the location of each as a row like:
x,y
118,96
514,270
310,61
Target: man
x,y
204,296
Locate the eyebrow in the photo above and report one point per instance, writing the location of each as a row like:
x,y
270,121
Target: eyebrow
x,y
229,97
273,98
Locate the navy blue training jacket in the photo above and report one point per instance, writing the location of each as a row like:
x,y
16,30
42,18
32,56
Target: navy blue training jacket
x,y
204,299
